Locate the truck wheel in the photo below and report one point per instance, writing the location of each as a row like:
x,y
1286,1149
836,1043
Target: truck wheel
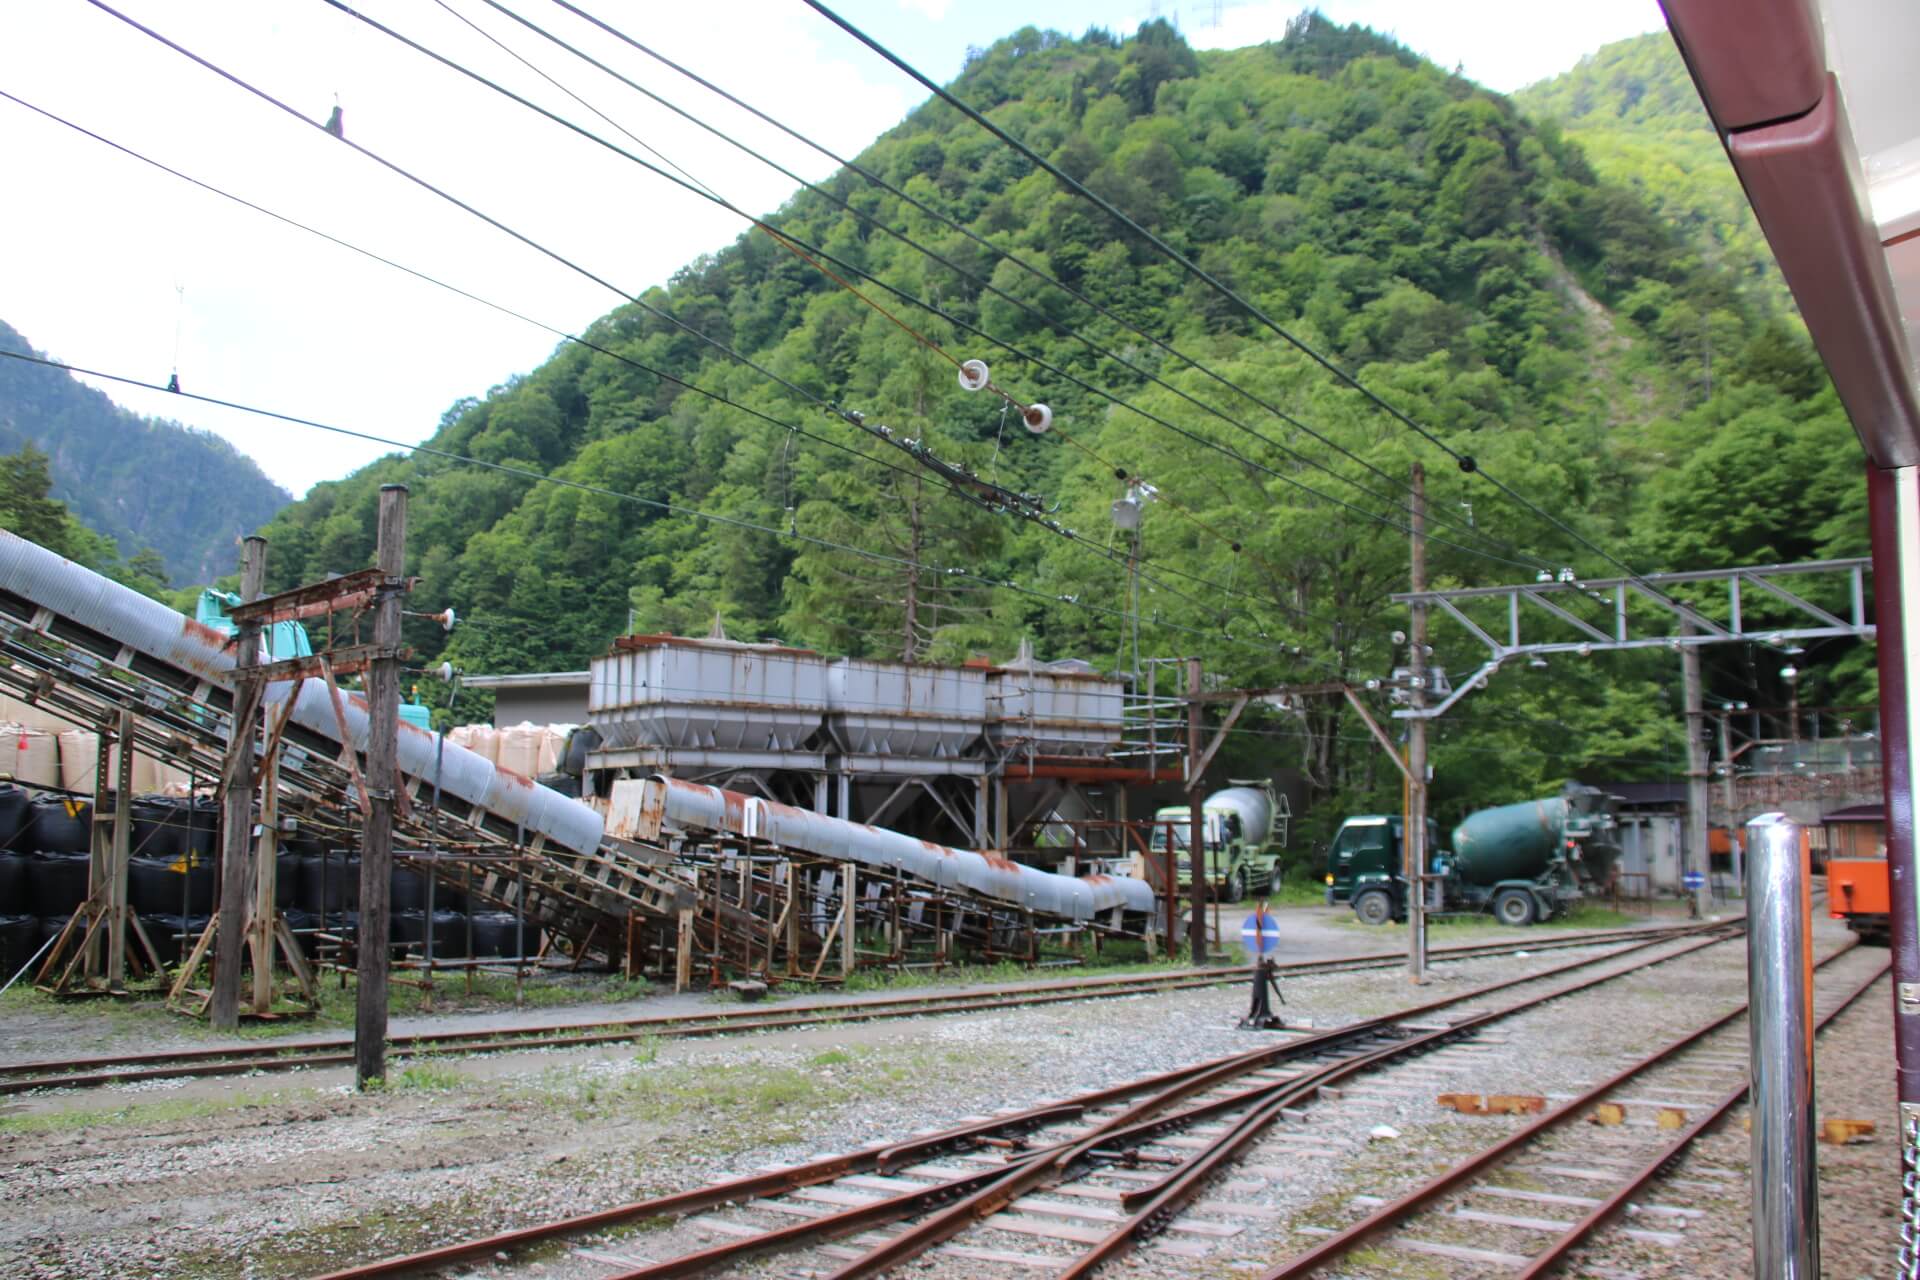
x,y
1373,906
1237,885
1275,881
1513,907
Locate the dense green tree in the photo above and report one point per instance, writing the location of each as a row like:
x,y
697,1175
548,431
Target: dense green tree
x,y
1605,352
184,496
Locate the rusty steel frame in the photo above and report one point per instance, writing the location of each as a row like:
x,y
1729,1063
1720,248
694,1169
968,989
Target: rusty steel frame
x,y
1335,1246
1136,1121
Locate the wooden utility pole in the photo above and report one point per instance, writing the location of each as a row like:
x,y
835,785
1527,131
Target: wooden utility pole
x,y
236,786
1196,828
1697,859
382,776
1418,855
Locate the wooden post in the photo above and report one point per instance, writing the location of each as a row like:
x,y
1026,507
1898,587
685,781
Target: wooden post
x,y
683,952
119,857
849,884
1419,857
376,839
1196,822
236,821
265,884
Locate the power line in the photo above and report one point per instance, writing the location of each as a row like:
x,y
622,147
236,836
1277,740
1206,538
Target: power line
x,y
570,264
708,194
799,247
672,508
876,180
1466,462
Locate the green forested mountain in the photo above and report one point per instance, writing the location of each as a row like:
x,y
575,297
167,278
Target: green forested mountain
x,y
147,484
1590,352
1634,110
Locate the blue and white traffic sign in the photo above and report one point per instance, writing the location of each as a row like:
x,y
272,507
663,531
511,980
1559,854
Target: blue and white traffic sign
x,y
1694,880
1260,934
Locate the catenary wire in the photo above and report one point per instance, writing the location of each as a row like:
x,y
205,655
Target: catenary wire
x,y
671,508
548,252
697,189
1466,462
703,191
1023,264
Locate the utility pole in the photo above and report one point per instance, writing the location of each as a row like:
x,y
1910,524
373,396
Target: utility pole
x,y
1735,827
1698,859
1418,855
1196,829
236,822
382,776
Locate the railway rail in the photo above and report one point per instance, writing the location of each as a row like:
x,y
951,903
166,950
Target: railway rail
x,y
1506,1221
318,1052
1127,1159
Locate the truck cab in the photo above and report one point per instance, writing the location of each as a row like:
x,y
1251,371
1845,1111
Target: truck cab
x,y
1242,828
1366,866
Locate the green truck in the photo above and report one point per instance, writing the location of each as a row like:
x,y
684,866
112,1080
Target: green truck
x,y
1244,828
1523,862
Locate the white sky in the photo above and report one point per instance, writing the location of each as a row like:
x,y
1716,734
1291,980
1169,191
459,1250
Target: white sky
x,y
93,243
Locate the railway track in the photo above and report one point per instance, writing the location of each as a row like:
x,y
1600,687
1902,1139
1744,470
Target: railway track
x,y
319,1052
1085,1179
1492,1211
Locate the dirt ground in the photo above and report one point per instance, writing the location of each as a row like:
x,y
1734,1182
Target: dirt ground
x,y
293,1174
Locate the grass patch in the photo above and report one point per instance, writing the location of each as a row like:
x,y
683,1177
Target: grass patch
x,y
724,1109
428,1076
1585,916
159,1112
146,1012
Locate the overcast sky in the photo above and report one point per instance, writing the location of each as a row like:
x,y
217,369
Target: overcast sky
x,y
103,260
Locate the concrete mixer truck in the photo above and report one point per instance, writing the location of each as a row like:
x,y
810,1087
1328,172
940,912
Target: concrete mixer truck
x,y
1244,828
1523,862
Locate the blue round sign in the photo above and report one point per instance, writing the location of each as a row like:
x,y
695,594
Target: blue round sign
x,y
1694,879
1260,934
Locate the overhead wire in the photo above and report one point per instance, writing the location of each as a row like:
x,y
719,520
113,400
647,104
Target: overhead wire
x,y
707,194
401,171
786,240
1466,462
1023,264
527,473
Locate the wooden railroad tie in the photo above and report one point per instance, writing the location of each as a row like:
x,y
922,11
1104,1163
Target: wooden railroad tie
x,y
1494,1104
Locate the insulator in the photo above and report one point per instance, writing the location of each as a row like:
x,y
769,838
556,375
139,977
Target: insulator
x,y
1038,418
974,375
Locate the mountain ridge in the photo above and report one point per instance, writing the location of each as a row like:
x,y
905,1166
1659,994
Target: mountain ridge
x,y
117,471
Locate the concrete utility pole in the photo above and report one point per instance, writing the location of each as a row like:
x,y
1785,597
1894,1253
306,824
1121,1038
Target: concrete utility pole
x,y
1418,855
1734,826
236,821
1196,830
382,776
1698,797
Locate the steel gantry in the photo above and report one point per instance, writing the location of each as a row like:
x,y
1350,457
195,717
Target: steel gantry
x,y
1638,613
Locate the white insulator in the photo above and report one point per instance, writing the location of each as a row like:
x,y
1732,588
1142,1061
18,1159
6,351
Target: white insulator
x,y
1038,418
973,375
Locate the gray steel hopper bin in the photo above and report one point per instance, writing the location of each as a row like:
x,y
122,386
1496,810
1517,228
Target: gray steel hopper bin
x,y
1061,708
905,710
720,695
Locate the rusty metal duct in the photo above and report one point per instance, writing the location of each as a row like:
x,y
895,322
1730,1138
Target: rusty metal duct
x,y
689,804
80,596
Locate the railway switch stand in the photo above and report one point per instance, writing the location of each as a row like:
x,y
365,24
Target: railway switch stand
x,y
1260,1014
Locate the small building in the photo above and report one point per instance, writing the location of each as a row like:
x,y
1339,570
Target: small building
x,y
543,697
1653,826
